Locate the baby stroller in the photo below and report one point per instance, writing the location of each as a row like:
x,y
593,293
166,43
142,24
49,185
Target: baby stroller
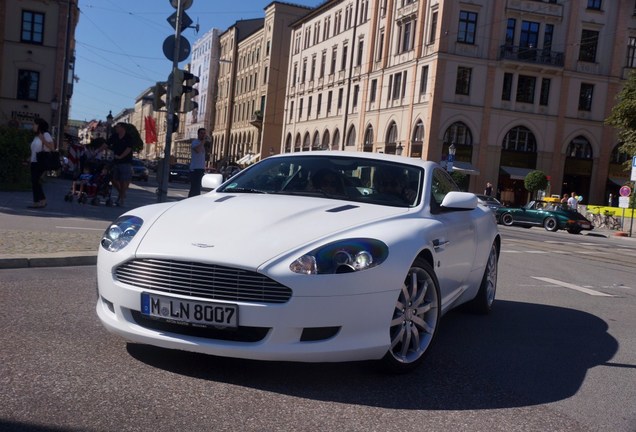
x,y
95,186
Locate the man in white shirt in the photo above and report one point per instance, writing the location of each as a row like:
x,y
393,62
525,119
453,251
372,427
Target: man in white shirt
x,y
573,203
197,163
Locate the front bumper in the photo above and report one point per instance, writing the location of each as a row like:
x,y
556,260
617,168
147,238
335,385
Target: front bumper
x,y
356,327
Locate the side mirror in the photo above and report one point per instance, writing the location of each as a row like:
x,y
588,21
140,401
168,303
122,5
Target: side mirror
x,y
211,181
460,201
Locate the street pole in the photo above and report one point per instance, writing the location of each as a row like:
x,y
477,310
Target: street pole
x,y
165,172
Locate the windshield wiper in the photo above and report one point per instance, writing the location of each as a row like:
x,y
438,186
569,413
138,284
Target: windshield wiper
x,y
244,190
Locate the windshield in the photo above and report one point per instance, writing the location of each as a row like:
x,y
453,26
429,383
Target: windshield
x,y
333,177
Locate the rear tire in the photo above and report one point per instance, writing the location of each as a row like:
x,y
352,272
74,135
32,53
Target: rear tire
x,y
483,301
415,319
574,231
507,219
551,224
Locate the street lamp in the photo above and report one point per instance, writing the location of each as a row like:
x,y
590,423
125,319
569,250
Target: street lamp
x,y
399,149
451,157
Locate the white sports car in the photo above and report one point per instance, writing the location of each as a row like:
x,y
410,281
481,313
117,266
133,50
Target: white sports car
x,y
311,257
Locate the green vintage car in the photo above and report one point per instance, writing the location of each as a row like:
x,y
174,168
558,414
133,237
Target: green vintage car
x,y
551,216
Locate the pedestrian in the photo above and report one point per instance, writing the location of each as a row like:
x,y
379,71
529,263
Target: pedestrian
x,y
42,142
564,201
197,163
121,145
488,190
573,203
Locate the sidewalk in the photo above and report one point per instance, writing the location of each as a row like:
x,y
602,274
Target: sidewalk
x,y
63,233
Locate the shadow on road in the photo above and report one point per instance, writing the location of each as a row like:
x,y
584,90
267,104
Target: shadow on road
x,y
522,354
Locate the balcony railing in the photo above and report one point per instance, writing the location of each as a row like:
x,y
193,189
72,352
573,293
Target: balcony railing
x,y
531,55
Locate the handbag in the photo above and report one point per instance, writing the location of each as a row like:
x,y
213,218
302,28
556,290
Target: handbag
x,y
49,160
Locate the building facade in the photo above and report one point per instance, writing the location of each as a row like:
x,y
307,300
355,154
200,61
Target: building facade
x,y
512,85
251,85
37,57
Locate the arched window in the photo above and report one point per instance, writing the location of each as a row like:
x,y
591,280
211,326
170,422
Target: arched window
x,y
336,140
368,139
579,148
306,142
458,134
288,143
520,139
351,137
618,157
297,143
315,144
417,140
325,140
391,139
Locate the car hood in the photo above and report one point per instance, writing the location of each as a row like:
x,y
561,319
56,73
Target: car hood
x,y
251,229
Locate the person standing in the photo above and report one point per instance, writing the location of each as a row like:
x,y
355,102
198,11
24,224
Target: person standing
x,y
121,145
488,190
197,163
573,203
42,142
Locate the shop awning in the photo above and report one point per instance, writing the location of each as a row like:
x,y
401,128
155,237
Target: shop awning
x,y
248,159
619,181
517,173
465,168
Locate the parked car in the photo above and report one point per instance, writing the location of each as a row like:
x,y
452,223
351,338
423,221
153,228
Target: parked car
x,y
491,202
179,173
308,256
140,172
551,216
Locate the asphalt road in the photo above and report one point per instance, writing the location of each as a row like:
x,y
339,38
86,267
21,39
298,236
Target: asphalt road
x,y
551,357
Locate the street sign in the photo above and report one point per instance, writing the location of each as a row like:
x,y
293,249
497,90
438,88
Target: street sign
x,y
184,48
186,21
623,202
625,191
633,168
185,4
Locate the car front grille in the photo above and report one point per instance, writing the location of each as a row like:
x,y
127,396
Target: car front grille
x,y
200,280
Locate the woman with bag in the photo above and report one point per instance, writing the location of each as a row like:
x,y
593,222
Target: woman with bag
x,y
41,142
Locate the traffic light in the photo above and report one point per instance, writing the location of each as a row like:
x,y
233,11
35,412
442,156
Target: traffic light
x,y
158,100
189,92
183,85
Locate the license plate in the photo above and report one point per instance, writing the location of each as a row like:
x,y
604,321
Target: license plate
x,y
189,312
585,225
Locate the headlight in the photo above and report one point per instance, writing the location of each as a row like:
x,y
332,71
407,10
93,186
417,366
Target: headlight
x,y
344,256
121,232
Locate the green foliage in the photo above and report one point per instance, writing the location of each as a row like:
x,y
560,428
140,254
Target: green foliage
x,y
458,177
623,117
15,151
535,180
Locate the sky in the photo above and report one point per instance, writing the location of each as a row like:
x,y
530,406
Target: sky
x,y
119,44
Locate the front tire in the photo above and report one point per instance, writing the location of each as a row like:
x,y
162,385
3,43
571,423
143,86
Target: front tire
x,y
507,219
551,224
415,319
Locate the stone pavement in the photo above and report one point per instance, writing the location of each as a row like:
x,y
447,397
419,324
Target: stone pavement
x,y
40,238
44,238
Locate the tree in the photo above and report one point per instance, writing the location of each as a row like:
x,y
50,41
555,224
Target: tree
x,y
623,118
535,181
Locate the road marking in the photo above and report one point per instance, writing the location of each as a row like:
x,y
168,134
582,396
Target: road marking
x,y
572,286
80,228
536,252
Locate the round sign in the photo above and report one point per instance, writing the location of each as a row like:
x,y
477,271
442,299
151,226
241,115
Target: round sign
x,y
625,191
184,48
185,4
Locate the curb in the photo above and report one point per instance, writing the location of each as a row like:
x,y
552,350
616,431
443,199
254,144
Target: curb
x,y
90,258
